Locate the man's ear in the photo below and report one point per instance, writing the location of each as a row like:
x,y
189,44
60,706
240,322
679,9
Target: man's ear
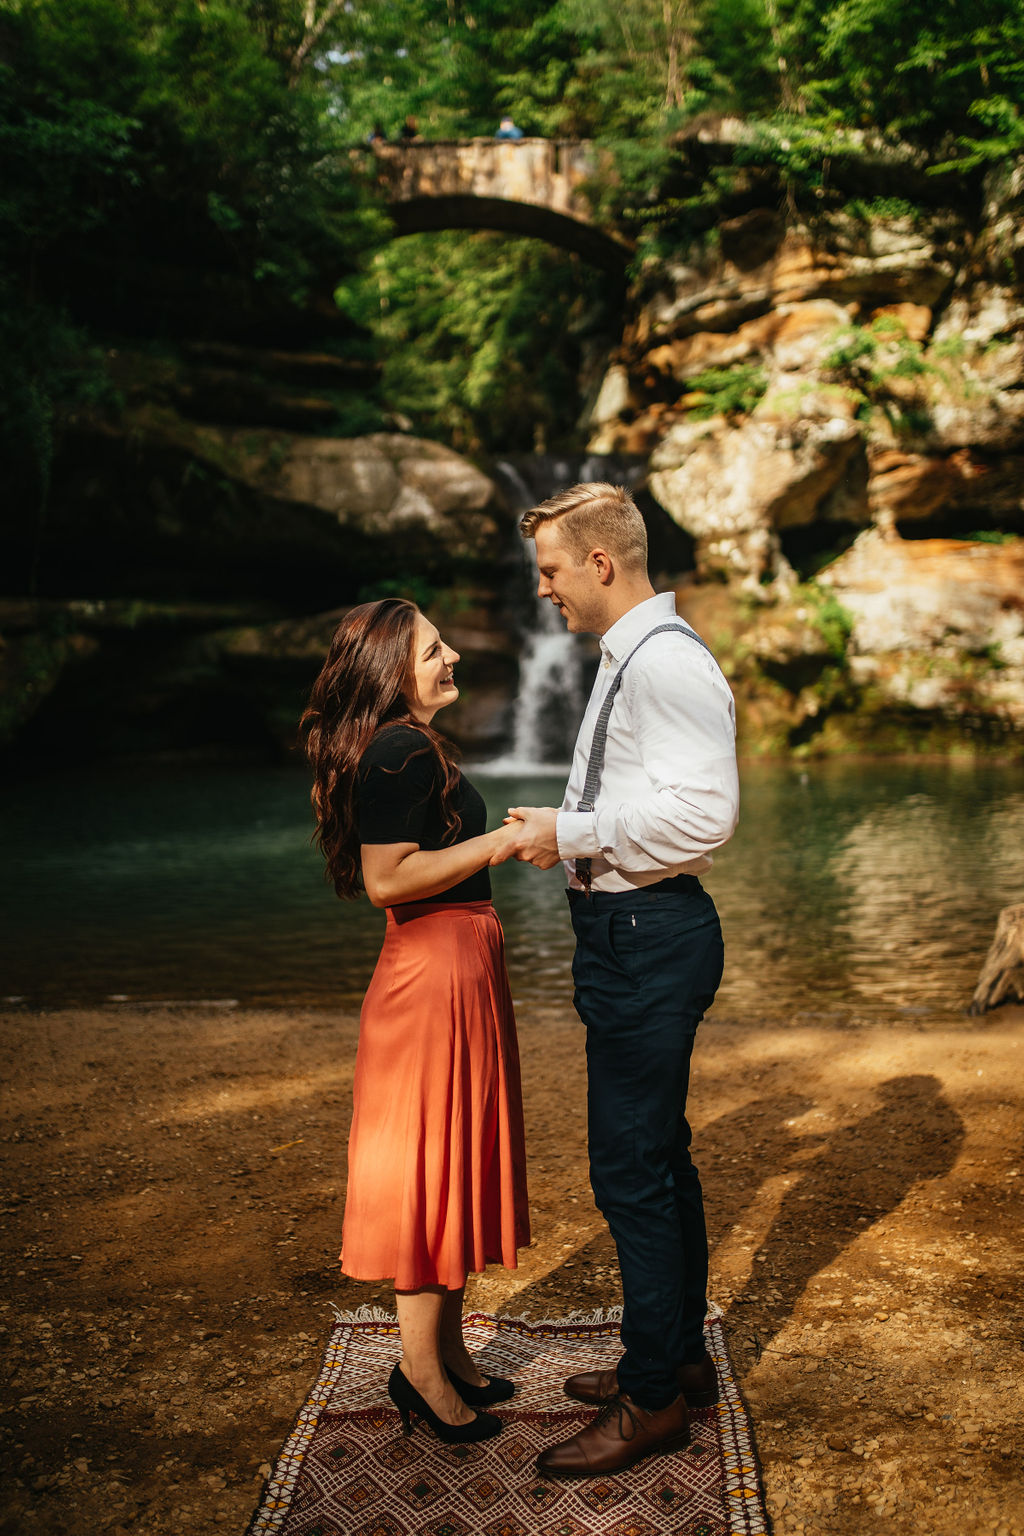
x,y
601,560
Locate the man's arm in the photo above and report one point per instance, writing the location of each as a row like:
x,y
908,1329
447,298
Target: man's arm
x,y
682,723
681,720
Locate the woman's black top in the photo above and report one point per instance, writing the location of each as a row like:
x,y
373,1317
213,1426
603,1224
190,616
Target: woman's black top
x,y
398,800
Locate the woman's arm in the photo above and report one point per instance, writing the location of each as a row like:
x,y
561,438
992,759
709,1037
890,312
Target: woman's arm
x,y
394,872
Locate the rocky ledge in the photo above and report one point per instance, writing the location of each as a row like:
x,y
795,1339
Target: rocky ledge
x,y
794,386
224,556
831,416
899,646
835,413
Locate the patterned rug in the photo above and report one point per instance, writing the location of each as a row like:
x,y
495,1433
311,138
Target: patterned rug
x,y
347,1469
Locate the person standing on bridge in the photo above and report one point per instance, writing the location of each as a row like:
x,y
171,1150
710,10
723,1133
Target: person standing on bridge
x,y
508,130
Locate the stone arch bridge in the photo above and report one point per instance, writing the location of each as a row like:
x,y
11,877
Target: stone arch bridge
x,y
522,187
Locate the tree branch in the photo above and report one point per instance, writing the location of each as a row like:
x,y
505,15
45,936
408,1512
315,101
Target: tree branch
x,y
313,31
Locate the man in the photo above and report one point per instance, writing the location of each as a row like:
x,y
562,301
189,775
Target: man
x,y
648,952
507,129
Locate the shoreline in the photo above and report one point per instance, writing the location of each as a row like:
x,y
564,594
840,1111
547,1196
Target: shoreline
x,y
729,1012
962,752
177,1175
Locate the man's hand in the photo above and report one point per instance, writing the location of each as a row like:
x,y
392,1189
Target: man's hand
x,y
537,843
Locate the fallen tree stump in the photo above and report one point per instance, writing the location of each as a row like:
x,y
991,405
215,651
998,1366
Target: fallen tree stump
x,y
1002,975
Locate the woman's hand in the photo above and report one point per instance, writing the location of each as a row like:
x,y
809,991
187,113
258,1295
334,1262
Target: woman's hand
x,y
506,841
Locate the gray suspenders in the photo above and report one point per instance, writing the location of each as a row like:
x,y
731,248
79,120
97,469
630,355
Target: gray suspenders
x,y
595,764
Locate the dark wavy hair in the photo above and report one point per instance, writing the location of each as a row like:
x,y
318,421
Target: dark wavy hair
x,y
359,690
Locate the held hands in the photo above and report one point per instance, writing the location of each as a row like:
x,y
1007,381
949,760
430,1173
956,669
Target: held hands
x,y
536,839
504,842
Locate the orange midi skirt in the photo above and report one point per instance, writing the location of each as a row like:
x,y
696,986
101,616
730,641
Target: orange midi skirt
x,y
436,1156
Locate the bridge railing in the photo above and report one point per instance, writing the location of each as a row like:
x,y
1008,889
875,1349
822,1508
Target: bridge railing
x,y
547,172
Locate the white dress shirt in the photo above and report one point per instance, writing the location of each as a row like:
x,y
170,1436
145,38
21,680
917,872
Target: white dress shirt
x,y
669,793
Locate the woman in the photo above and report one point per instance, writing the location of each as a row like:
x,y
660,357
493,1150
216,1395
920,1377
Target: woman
x,y
436,1184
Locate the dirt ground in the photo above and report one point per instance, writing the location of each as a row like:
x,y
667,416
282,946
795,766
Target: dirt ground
x,y
173,1193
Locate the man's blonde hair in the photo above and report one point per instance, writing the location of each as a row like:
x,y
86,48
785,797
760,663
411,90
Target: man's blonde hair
x,y
590,517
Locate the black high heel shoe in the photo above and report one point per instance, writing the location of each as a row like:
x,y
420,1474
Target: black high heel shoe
x,y
496,1389
408,1401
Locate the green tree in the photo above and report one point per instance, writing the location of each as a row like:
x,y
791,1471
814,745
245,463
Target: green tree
x,y
649,44
482,336
456,69
147,145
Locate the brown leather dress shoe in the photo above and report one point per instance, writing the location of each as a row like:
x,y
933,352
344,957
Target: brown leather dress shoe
x,y
593,1386
698,1384
622,1433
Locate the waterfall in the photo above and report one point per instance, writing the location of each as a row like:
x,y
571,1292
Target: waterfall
x,y
550,700
553,686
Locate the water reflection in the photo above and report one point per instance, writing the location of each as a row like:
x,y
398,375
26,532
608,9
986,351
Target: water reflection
x,y
850,890
867,887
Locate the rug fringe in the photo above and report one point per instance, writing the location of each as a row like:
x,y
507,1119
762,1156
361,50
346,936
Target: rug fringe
x,y
592,1318
363,1314
596,1318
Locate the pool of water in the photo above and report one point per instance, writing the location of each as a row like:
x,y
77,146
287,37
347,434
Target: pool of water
x,y
851,890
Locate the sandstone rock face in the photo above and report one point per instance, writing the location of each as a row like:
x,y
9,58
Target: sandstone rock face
x,y
938,624
760,265
733,487
987,305
852,375
926,594
388,484
114,676
793,333
908,486
614,396
214,552
158,507
899,646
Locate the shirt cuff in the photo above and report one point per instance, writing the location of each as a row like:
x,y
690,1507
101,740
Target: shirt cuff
x,y
576,835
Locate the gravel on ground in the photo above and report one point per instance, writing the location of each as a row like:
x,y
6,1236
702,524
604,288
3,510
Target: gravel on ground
x,y
174,1180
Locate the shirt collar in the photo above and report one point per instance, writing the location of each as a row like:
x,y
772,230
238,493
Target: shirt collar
x,y
625,633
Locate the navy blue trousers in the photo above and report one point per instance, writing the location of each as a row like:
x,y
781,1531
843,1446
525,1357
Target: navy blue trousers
x,y
647,966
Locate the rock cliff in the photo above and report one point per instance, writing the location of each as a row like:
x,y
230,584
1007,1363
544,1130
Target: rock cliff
x,y
828,421
793,378
189,573
836,415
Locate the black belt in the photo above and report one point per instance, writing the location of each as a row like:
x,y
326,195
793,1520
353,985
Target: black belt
x,y
671,885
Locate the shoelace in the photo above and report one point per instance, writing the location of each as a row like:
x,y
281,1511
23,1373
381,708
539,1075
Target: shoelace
x,y
620,1406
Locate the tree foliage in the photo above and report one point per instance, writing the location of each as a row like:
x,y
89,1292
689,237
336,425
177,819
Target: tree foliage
x,y
482,336
147,145
212,137
597,68
822,91
175,125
